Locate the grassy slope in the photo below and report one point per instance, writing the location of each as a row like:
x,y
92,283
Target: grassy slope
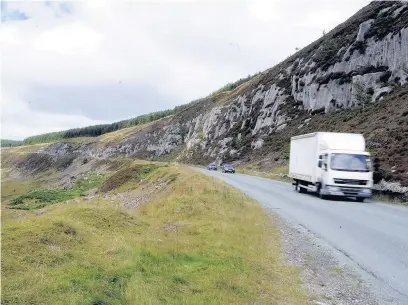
x,y
219,247
23,149
42,197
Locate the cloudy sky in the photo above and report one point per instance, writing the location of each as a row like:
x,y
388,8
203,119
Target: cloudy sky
x,y
73,64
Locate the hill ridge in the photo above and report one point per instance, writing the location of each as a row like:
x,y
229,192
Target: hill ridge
x,y
358,68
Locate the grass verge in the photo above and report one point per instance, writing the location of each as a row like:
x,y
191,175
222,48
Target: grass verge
x,y
198,242
40,198
392,199
278,173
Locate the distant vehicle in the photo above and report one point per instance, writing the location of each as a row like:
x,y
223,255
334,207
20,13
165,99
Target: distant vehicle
x,y
228,168
331,164
212,167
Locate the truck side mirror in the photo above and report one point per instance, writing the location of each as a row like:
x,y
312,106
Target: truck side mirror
x,y
319,164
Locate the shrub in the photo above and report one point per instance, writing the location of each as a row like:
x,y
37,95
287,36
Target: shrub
x,y
317,111
326,55
370,91
360,46
360,94
385,76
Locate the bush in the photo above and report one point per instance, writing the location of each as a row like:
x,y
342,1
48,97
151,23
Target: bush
x,y
326,55
370,91
360,46
361,94
317,111
385,76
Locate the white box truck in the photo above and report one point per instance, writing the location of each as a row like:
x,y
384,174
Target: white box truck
x,y
331,164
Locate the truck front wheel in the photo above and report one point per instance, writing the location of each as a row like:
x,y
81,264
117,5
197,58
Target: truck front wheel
x,y
321,196
299,189
320,192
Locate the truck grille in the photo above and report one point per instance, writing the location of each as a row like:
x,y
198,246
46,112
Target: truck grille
x,y
350,181
350,191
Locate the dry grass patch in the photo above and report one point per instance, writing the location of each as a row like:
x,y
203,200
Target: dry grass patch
x,y
23,149
221,249
133,173
121,134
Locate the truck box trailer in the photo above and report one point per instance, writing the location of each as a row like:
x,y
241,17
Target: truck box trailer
x,y
331,164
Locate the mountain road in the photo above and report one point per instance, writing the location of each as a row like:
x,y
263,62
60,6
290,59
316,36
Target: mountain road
x,y
372,235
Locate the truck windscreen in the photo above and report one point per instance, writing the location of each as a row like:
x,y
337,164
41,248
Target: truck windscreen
x,y
350,163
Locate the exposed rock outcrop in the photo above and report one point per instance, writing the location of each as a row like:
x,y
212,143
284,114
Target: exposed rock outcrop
x,y
356,64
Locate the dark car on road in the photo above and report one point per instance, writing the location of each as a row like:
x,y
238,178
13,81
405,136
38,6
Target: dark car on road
x,y
228,168
212,167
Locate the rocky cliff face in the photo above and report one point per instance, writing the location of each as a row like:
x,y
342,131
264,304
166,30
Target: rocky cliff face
x,y
356,65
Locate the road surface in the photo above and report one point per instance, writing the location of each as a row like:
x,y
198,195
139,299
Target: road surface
x,y
372,235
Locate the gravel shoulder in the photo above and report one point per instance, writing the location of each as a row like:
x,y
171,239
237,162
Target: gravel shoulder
x,y
329,279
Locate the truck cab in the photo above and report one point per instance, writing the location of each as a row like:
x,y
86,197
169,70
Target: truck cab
x,y
331,164
344,173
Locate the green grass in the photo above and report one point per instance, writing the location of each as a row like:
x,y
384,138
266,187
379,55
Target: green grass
x,y
43,197
218,248
172,156
132,173
12,188
40,198
390,199
336,269
275,174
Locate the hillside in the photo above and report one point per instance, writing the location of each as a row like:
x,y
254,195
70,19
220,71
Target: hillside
x,y
109,214
122,231
354,78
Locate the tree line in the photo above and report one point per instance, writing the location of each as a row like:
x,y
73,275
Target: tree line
x,y
97,130
10,143
232,86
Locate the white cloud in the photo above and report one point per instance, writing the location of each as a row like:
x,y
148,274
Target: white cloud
x,y
329,15
266,10
18,120
76,38
9,36
153,54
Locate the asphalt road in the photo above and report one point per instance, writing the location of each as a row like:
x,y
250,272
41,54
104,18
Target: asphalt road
x,y
372,235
